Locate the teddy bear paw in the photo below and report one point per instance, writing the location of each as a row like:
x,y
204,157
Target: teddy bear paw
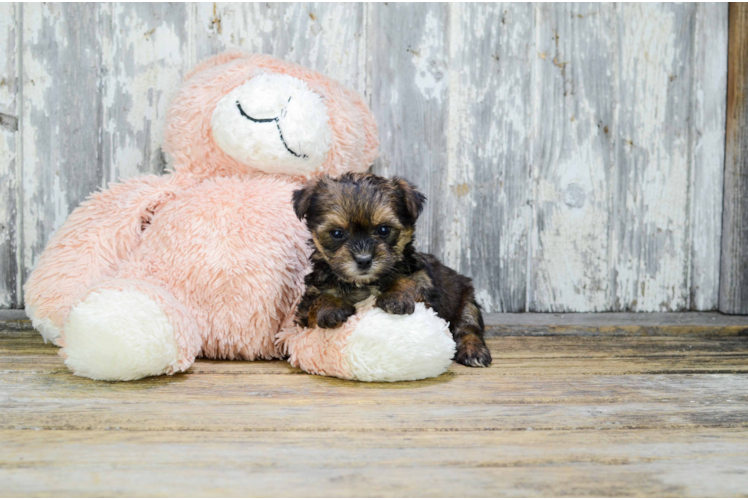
x,y
50,332
119,335
391,347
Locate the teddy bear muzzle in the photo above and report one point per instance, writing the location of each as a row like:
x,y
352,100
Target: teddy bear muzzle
x,y
274,123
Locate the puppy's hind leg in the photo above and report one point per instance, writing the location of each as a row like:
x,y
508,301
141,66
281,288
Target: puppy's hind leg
x,y
467,331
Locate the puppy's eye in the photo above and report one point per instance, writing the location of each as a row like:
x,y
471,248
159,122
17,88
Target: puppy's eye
x,y
337,234
383,231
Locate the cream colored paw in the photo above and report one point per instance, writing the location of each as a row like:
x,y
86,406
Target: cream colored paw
x,y
119,335
389,348
50,332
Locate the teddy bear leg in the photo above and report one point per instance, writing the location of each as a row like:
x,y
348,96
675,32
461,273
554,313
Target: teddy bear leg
x,y
127,329
45,325
374,346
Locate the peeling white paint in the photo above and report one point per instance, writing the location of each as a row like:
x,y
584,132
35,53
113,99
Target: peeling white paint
x,y
651,259
561,167
8,159
427,57
707,178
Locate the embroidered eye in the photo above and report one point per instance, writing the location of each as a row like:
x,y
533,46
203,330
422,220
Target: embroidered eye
x,y
383,231
337,234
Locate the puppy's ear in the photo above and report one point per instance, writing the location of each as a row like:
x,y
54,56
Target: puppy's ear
x,y
302,199
412,198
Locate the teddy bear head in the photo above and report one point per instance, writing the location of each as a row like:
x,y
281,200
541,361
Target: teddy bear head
x,y
240,113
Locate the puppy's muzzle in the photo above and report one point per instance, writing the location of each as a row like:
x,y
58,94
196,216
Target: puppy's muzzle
x,y
362,251
363,261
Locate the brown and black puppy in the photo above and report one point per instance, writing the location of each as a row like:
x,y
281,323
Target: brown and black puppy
x,y
362,229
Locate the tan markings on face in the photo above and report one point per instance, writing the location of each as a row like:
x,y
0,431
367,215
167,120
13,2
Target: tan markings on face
x,y
359,211
383,214
405,237
333,221
320,246
347,265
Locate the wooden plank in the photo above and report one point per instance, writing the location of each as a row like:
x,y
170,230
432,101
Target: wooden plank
x,y
15,343
549,383
483,205
145,52
409,53
623,320
552,416
623,324
210,405
668,363
456,127
9,157
538,463
523,324
514,356
733,289
62,118
709,102
687,362
14,319
649,232
576,66
323,36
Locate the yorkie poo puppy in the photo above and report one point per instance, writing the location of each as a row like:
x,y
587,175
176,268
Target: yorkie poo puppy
x,y
362,228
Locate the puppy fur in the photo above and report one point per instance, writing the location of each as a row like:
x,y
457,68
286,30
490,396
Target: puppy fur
x,y
362,229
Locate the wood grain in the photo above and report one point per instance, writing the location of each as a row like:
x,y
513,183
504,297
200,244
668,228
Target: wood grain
x,y
9,158
328,37
498,112
408,48
483,207
650,222
574,121
709,103
535,463
552,416
62,118
145,52
733,290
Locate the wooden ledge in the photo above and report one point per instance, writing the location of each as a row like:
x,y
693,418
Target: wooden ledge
x,y
579,324
676,323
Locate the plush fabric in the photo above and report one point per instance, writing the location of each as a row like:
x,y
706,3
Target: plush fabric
x,y
373,346
190,142
255,135
209,260
110,353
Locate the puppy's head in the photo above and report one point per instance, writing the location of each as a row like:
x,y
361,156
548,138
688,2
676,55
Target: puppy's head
x,y
360,223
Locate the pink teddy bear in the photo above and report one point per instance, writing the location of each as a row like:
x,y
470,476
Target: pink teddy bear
x,y
210,260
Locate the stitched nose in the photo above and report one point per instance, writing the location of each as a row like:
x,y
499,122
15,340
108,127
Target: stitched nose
x,y
363,261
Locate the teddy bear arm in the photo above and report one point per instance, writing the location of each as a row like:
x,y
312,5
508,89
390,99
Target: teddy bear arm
x,y
89,246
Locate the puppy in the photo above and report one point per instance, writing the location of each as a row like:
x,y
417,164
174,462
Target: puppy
x,y
362,229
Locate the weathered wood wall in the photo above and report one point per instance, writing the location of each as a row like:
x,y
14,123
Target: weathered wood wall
x,y
733,296
573,154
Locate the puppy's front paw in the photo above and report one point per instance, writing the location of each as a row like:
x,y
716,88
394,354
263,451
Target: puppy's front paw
x,y
473,353
333,317
395,303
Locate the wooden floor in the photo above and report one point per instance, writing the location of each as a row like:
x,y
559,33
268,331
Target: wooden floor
x,y
652,412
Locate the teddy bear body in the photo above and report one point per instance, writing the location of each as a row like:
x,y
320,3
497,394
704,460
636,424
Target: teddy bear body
x,y
235,266
209,260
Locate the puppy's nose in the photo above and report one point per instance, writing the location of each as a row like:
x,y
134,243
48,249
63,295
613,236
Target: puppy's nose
x,y
363,261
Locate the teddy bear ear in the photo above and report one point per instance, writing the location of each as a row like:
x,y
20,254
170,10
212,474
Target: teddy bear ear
x,y
216,60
